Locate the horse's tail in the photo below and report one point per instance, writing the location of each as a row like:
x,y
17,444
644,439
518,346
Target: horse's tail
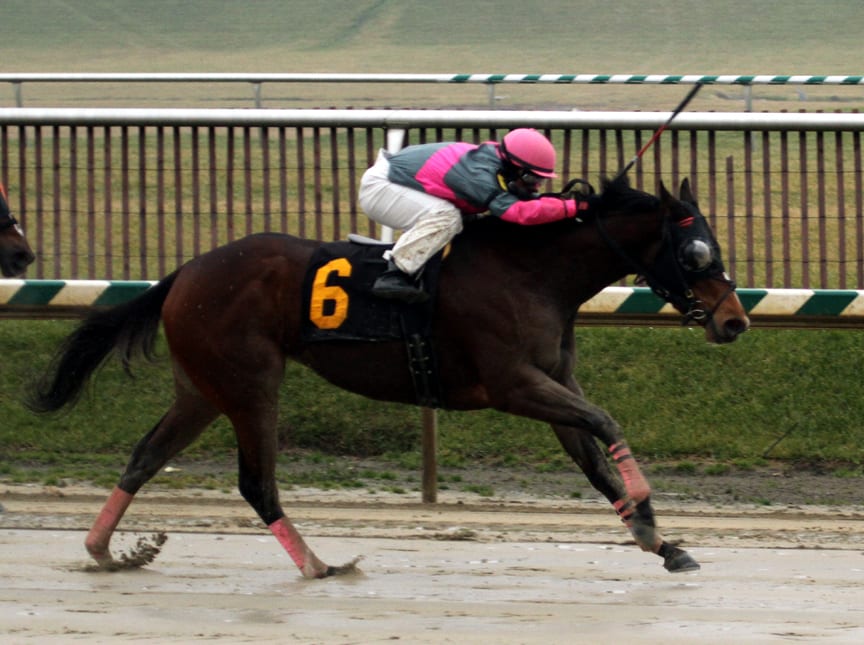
x,y
129,329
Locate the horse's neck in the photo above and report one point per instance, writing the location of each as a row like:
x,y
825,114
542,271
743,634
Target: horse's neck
x,y
631,239
569,261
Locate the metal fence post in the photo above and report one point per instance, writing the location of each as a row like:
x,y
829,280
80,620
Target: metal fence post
x,y
429,441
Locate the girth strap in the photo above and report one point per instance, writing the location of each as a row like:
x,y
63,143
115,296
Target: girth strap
x,y
424,372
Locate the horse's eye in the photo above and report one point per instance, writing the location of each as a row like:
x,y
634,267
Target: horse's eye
x,y
696,255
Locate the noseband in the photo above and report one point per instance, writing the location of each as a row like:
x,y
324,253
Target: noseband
x,y
8,222
696,313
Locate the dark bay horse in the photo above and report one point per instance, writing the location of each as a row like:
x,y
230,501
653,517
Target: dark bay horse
x,y
507,301
15,252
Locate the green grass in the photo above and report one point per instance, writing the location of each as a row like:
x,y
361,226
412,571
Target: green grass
x,y
499,35
437,36
677,398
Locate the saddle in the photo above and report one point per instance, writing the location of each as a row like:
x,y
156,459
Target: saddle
x,y
338,305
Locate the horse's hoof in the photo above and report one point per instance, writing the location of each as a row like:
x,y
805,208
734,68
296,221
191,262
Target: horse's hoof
x,y
103,563
102,557
679,561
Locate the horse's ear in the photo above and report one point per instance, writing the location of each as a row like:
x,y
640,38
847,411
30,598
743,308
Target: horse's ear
x,y
686,194
665,196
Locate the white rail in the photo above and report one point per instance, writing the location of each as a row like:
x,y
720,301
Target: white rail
x,y
737,121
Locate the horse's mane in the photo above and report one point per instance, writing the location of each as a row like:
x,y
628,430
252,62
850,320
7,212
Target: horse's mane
x,y
617,195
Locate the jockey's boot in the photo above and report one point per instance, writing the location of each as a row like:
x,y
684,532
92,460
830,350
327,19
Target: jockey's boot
x,y
395,284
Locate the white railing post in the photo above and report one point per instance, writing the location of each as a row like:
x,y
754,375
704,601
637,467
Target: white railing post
x,y
395,141
256,90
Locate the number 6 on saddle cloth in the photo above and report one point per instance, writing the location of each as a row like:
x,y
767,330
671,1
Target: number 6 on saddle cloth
x,y
338,305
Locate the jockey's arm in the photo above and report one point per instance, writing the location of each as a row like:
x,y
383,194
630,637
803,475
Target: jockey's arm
x,y
535,211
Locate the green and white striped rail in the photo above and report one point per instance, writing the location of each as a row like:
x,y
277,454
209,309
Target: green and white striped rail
x,y
783,307
780,307
658,79
59,294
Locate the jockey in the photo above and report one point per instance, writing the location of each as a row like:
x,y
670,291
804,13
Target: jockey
x,y
424,190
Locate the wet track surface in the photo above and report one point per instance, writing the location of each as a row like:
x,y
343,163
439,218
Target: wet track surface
x,y
528,571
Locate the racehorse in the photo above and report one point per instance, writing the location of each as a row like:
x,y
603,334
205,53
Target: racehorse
x,y
506,304
15,252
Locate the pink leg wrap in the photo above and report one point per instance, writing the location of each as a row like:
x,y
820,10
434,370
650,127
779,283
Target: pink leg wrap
x,y
625,508
100,533
291,540
635,483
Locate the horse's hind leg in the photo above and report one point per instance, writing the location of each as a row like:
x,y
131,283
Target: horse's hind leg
x,y
638,517
181,425
256,440
257,444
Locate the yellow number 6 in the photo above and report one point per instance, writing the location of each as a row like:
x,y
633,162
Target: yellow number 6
x,y
322,292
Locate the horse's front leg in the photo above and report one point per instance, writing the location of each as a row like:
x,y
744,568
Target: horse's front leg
x,y
634,509
578,422
538,396
642,527
638,518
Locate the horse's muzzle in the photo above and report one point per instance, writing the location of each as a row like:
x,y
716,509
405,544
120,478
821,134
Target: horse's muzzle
x,y
15,263
728,330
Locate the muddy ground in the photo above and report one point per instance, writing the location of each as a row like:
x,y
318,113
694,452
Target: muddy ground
x,y
781,560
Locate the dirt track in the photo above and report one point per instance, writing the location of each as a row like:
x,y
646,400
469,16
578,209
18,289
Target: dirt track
x,y
462,571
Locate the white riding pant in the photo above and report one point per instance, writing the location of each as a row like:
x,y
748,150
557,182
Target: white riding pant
x,y
428,222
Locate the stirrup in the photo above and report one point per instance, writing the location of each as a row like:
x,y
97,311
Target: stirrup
x,y
394,291
393,284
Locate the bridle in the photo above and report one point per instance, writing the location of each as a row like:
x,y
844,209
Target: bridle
x,y
7,222
667,276
6,219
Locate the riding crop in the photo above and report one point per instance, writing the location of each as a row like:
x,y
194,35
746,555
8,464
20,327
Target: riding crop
x,y
659,131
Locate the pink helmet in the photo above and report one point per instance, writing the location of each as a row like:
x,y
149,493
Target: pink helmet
x,y
528,149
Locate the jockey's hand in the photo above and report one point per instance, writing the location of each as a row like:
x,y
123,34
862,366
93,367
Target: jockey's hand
x,y
581,205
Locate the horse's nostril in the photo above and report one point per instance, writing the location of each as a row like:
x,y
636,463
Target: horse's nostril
x,y
23,258
735,326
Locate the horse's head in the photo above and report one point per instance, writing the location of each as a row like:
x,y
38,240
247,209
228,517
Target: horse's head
x,y
688,270
15,252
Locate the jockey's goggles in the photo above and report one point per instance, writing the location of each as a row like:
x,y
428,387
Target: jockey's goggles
x,y
530,178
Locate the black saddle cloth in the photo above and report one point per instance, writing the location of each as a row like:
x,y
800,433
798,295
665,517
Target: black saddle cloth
x,y
338,303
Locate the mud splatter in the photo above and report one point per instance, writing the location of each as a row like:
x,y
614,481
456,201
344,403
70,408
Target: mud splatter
x,y
456,535
143,553
347,569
